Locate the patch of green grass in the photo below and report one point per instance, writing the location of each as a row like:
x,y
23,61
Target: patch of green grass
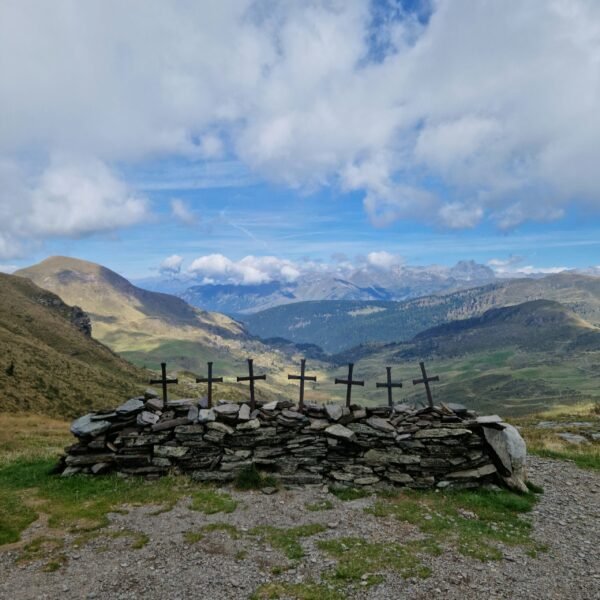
x,y
241,554
287,540
297,591
211,501
347,494
361,560
472,520
193,537
82,503
319,505
250,478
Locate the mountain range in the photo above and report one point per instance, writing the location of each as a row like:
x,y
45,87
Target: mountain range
x,y
148,327
398,282
339,325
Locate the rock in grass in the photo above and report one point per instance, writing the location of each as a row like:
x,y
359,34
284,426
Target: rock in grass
x,y
86,427
511,450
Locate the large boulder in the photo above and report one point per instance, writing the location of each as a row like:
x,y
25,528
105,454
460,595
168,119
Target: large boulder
x,y
511,452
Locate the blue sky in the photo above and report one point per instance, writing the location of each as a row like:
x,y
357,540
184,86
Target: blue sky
x,y
434,132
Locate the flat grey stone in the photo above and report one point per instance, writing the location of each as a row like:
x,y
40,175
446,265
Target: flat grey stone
x,y
440,432
381,424
170,451
340,432
193,413
319,424
132,406
70,471
489,420
376,457
154,404
294,415
244,412
85,427
150,393
227,410
269,490
217,426
573,438
147,418
100,468
170,424
473,473
248,425
334,411
270,406
206,415
399,477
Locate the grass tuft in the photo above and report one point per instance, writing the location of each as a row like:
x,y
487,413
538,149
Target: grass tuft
x,y
348,494
250,478
319,505
297,591
287,540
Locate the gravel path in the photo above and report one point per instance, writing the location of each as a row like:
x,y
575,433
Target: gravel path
x,y
567,519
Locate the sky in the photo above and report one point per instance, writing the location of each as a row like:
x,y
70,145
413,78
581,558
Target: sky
x,y
246,141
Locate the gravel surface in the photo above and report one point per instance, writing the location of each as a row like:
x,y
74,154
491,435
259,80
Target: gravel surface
x,y
168,567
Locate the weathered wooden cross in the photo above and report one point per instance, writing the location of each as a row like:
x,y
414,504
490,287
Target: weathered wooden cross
x,y
426,381
302,378
349,383
210,380
389,384
251,378
164,381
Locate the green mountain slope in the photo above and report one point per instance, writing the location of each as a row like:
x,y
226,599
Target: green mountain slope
x,y
339,325
513,360
149,327
47,362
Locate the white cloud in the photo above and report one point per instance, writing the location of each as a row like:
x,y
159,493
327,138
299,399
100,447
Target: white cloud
x,y
171,265
183,213
70,198
8,268
250,270
513,267
384,260
495,102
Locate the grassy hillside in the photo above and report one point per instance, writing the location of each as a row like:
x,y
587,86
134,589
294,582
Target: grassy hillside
x,y
515,361
47,364
338,325
150,327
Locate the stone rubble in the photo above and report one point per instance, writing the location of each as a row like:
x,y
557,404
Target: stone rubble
x,y
369,447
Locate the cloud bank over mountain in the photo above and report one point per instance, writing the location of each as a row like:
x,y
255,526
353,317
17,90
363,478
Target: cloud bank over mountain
x,y
455,114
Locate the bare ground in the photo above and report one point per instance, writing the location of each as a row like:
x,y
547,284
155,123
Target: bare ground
x,y
168,566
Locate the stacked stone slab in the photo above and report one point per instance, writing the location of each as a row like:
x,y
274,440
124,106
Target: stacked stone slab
x,y
372,447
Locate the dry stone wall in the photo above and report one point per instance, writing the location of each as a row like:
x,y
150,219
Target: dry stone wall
x,y
374,447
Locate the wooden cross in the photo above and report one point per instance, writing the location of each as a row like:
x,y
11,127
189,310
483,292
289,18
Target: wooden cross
x,y
302,378
251,378
349,383
389,385
164,381
210,380
426,381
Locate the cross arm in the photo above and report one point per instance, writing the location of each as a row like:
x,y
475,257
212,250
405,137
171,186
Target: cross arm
x,y
305,377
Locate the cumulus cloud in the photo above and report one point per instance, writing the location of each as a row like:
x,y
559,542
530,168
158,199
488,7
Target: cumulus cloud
x,y
494,102
171,265
250,270
513,267
70,198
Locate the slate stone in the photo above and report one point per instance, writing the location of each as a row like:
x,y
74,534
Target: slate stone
x,y
270,406
100,468
489,420
104,416
147,418
292,414
473,473
154,404
511,450
170,424
244,412
206,415
458,409
181,403
80,460
227,410
170,451
132,406
334,411
221,427
440,432
381,424
203,402
319,424
340,432
399,477
366,480
573,438
391,456
85,427
248,425
150,393
70,471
